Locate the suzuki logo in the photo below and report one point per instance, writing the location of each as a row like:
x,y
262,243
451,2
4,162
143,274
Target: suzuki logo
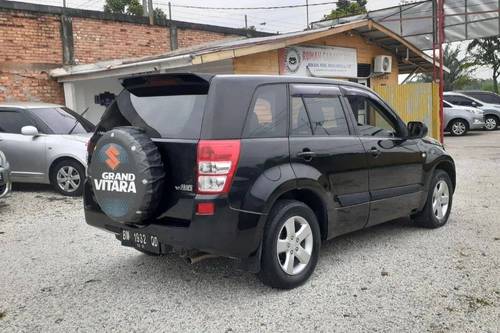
x,y
112,154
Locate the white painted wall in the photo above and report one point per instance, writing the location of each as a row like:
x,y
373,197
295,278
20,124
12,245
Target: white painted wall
x,y
84,92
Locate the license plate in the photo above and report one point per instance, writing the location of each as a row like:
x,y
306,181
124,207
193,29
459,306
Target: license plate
x,y
141,241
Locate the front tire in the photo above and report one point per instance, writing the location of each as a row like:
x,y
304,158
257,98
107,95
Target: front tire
x,y
439,201
490,123
291,244
67,177
458,127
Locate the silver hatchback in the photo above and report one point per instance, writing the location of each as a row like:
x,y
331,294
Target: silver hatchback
x,y
45,143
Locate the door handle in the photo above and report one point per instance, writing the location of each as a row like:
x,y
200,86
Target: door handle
x,y
375,152
306,154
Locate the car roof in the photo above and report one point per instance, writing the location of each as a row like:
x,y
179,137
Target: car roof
x,y
477,91
249,78
28,105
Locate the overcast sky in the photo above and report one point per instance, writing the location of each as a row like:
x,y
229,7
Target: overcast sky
x,y
282,20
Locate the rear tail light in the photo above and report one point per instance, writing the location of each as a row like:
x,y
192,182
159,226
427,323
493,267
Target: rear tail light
x,y
217,161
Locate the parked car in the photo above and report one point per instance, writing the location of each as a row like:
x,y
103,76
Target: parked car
x,y
45,143
491,111
458,120
488,97
4,175
258,168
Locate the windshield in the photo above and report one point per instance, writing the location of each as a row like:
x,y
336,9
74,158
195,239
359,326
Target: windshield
x,y
62,120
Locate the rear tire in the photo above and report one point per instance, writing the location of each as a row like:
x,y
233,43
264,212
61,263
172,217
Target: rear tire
x,y
439,202
458,127
291,244
67,177
491,123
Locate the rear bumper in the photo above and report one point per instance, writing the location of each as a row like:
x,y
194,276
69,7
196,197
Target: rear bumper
x,y
229,232
5,182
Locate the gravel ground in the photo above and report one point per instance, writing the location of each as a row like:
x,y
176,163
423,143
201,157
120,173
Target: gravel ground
x,y
58,274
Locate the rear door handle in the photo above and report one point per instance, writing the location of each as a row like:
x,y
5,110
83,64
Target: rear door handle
x,y
375,152
306,154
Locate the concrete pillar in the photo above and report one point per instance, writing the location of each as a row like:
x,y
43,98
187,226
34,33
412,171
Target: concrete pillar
x,y
70,96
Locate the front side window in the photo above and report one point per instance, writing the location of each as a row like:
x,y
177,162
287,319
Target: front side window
x,y
371,117
12,122
268,115
461,100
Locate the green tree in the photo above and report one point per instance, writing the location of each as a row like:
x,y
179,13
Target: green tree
x,y
460,70
159,15
130,7
486,52
347,8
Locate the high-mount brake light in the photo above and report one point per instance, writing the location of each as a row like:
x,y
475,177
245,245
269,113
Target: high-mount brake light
x,y
217,162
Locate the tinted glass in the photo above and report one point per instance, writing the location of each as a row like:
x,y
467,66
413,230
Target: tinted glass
x,y
371,117
12,122
63,120
486,97
327,115
460,100
175,116
446,105
300,125
268,115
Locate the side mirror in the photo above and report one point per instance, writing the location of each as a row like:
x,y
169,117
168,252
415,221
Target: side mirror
x,y
417,130
474,103
29,130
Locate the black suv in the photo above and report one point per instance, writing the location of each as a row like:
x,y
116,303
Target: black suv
x,y
258,168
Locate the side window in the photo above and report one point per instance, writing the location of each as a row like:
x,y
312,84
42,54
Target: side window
x,y
300,124
268,115
460,100
12,122
371,117
326,115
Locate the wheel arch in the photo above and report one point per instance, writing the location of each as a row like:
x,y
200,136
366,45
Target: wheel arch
x,y
59,159
313,199
448,167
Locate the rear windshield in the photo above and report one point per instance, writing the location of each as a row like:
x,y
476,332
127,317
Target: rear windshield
x,y
175,116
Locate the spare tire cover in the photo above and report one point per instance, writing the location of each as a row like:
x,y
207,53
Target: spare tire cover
x,y
127,175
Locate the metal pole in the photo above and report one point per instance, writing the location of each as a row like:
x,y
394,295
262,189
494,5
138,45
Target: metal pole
x,y
441,36
246,22
150,12
307,13
170,11
64,3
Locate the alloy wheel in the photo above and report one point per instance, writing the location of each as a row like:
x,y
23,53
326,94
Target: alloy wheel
x,y
440,200
458,128
490,123
294,245
68,178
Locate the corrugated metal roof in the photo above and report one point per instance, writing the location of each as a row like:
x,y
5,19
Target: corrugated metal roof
x,y
184,57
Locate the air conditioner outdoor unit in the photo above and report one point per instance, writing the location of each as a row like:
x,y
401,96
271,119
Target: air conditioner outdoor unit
x,y
382,64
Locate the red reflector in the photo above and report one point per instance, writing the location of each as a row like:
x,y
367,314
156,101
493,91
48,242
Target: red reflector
x,y
205,208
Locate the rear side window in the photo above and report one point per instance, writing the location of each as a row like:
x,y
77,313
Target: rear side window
x,y
268,116
12,122
174,116
301,126
326,115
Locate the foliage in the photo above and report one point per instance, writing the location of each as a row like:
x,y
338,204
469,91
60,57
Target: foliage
x,y
159,15
130,7
486,52
347,8
460,70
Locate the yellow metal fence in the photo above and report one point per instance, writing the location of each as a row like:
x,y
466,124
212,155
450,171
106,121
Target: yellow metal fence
x,y
414,101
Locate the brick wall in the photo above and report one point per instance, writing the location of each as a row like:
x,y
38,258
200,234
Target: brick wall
x,y
189,37
97,40
31,44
